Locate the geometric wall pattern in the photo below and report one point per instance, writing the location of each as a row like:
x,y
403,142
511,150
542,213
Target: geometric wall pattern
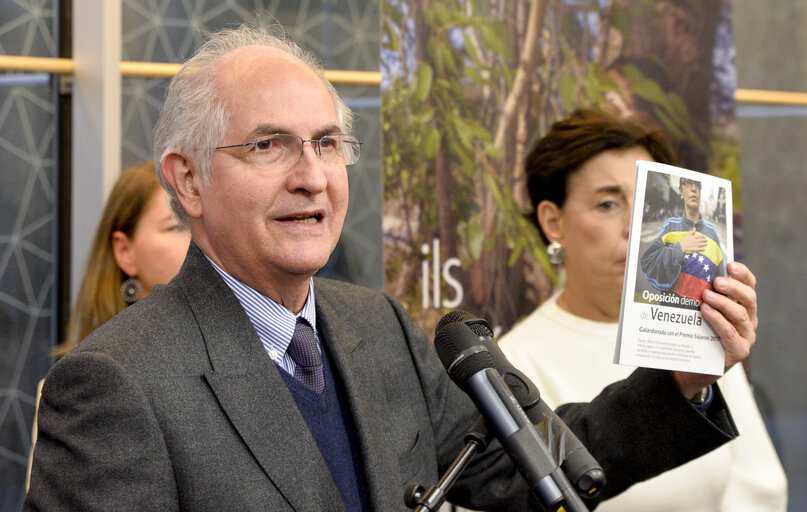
x,y
27,263
28,208
773,160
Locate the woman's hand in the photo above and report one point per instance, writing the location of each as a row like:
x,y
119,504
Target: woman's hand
x,y
732,311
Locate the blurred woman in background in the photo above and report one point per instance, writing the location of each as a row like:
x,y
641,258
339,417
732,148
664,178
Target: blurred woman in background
x,y
138,245
581,180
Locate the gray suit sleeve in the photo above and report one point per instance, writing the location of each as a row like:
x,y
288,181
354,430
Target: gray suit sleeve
x,y
99,447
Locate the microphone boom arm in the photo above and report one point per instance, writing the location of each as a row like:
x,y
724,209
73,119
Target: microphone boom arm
x,y
476,441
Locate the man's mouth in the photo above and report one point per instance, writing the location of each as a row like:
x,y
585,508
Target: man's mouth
x,y
303,219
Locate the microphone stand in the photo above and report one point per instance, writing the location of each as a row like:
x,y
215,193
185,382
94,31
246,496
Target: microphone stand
x,y
476,441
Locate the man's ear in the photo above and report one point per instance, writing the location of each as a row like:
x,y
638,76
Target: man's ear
x,y
550,217
185,179
123,252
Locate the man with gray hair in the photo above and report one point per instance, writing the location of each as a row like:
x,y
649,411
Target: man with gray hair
x,y
248,384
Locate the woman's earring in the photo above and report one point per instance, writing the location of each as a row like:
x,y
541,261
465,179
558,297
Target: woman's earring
x,y
131,290
555,252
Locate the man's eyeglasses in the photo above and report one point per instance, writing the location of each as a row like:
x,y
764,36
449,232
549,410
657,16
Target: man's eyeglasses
x,y
285,149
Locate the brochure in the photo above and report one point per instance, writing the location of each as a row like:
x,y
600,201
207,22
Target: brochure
x,y
680,240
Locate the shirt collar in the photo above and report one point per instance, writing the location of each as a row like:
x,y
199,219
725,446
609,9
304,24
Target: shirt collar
x,y
273,322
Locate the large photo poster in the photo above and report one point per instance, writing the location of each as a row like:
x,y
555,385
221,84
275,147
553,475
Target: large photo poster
x,y
467,85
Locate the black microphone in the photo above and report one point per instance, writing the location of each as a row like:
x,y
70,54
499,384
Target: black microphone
x,y
578,464
470,365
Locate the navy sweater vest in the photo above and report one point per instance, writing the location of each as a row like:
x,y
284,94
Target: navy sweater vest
x,y
328,418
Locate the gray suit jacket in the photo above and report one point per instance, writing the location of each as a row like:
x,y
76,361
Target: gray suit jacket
x,y
175,405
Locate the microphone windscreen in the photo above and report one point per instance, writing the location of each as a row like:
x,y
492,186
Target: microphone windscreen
x,y
467,367
452,318
461,351
480,327
446,344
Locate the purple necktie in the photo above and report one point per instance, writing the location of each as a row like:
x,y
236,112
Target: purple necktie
x,y
303,350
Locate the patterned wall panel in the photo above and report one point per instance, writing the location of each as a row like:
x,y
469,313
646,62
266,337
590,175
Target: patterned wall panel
x,y
771,45
343,33
27,234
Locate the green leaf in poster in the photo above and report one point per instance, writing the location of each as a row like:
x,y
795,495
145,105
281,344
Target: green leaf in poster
x,y
647,89
669,125
623,13
494,38
680,113
477,130
521,244
432,50
568,89
592,85
493,187
620,18
540,256
424,116
447,56
491,242
669,108
394,15
454,144
392,35
470,48
493,151
423,83
475,236
475,76
604,77
431,142
442,13
462,132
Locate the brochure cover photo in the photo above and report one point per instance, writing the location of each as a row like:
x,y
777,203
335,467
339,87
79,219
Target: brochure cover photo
x,y
680,240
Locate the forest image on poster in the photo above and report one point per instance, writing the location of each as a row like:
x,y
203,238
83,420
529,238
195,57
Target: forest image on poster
x,y
468,85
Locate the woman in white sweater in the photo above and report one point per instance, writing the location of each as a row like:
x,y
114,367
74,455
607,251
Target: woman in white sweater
x,y
581,180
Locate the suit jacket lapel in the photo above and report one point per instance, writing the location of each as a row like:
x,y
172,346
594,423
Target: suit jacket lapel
x,y
354,367
252,392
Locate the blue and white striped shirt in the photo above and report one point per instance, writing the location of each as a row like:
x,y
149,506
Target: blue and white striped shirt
x,y
273,322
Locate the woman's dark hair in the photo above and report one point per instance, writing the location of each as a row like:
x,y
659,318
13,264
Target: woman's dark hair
x,y
580,137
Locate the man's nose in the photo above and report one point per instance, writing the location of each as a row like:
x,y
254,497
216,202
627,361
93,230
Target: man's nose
x,y
308,173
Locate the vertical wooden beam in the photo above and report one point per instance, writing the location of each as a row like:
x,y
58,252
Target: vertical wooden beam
x,y
96,123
